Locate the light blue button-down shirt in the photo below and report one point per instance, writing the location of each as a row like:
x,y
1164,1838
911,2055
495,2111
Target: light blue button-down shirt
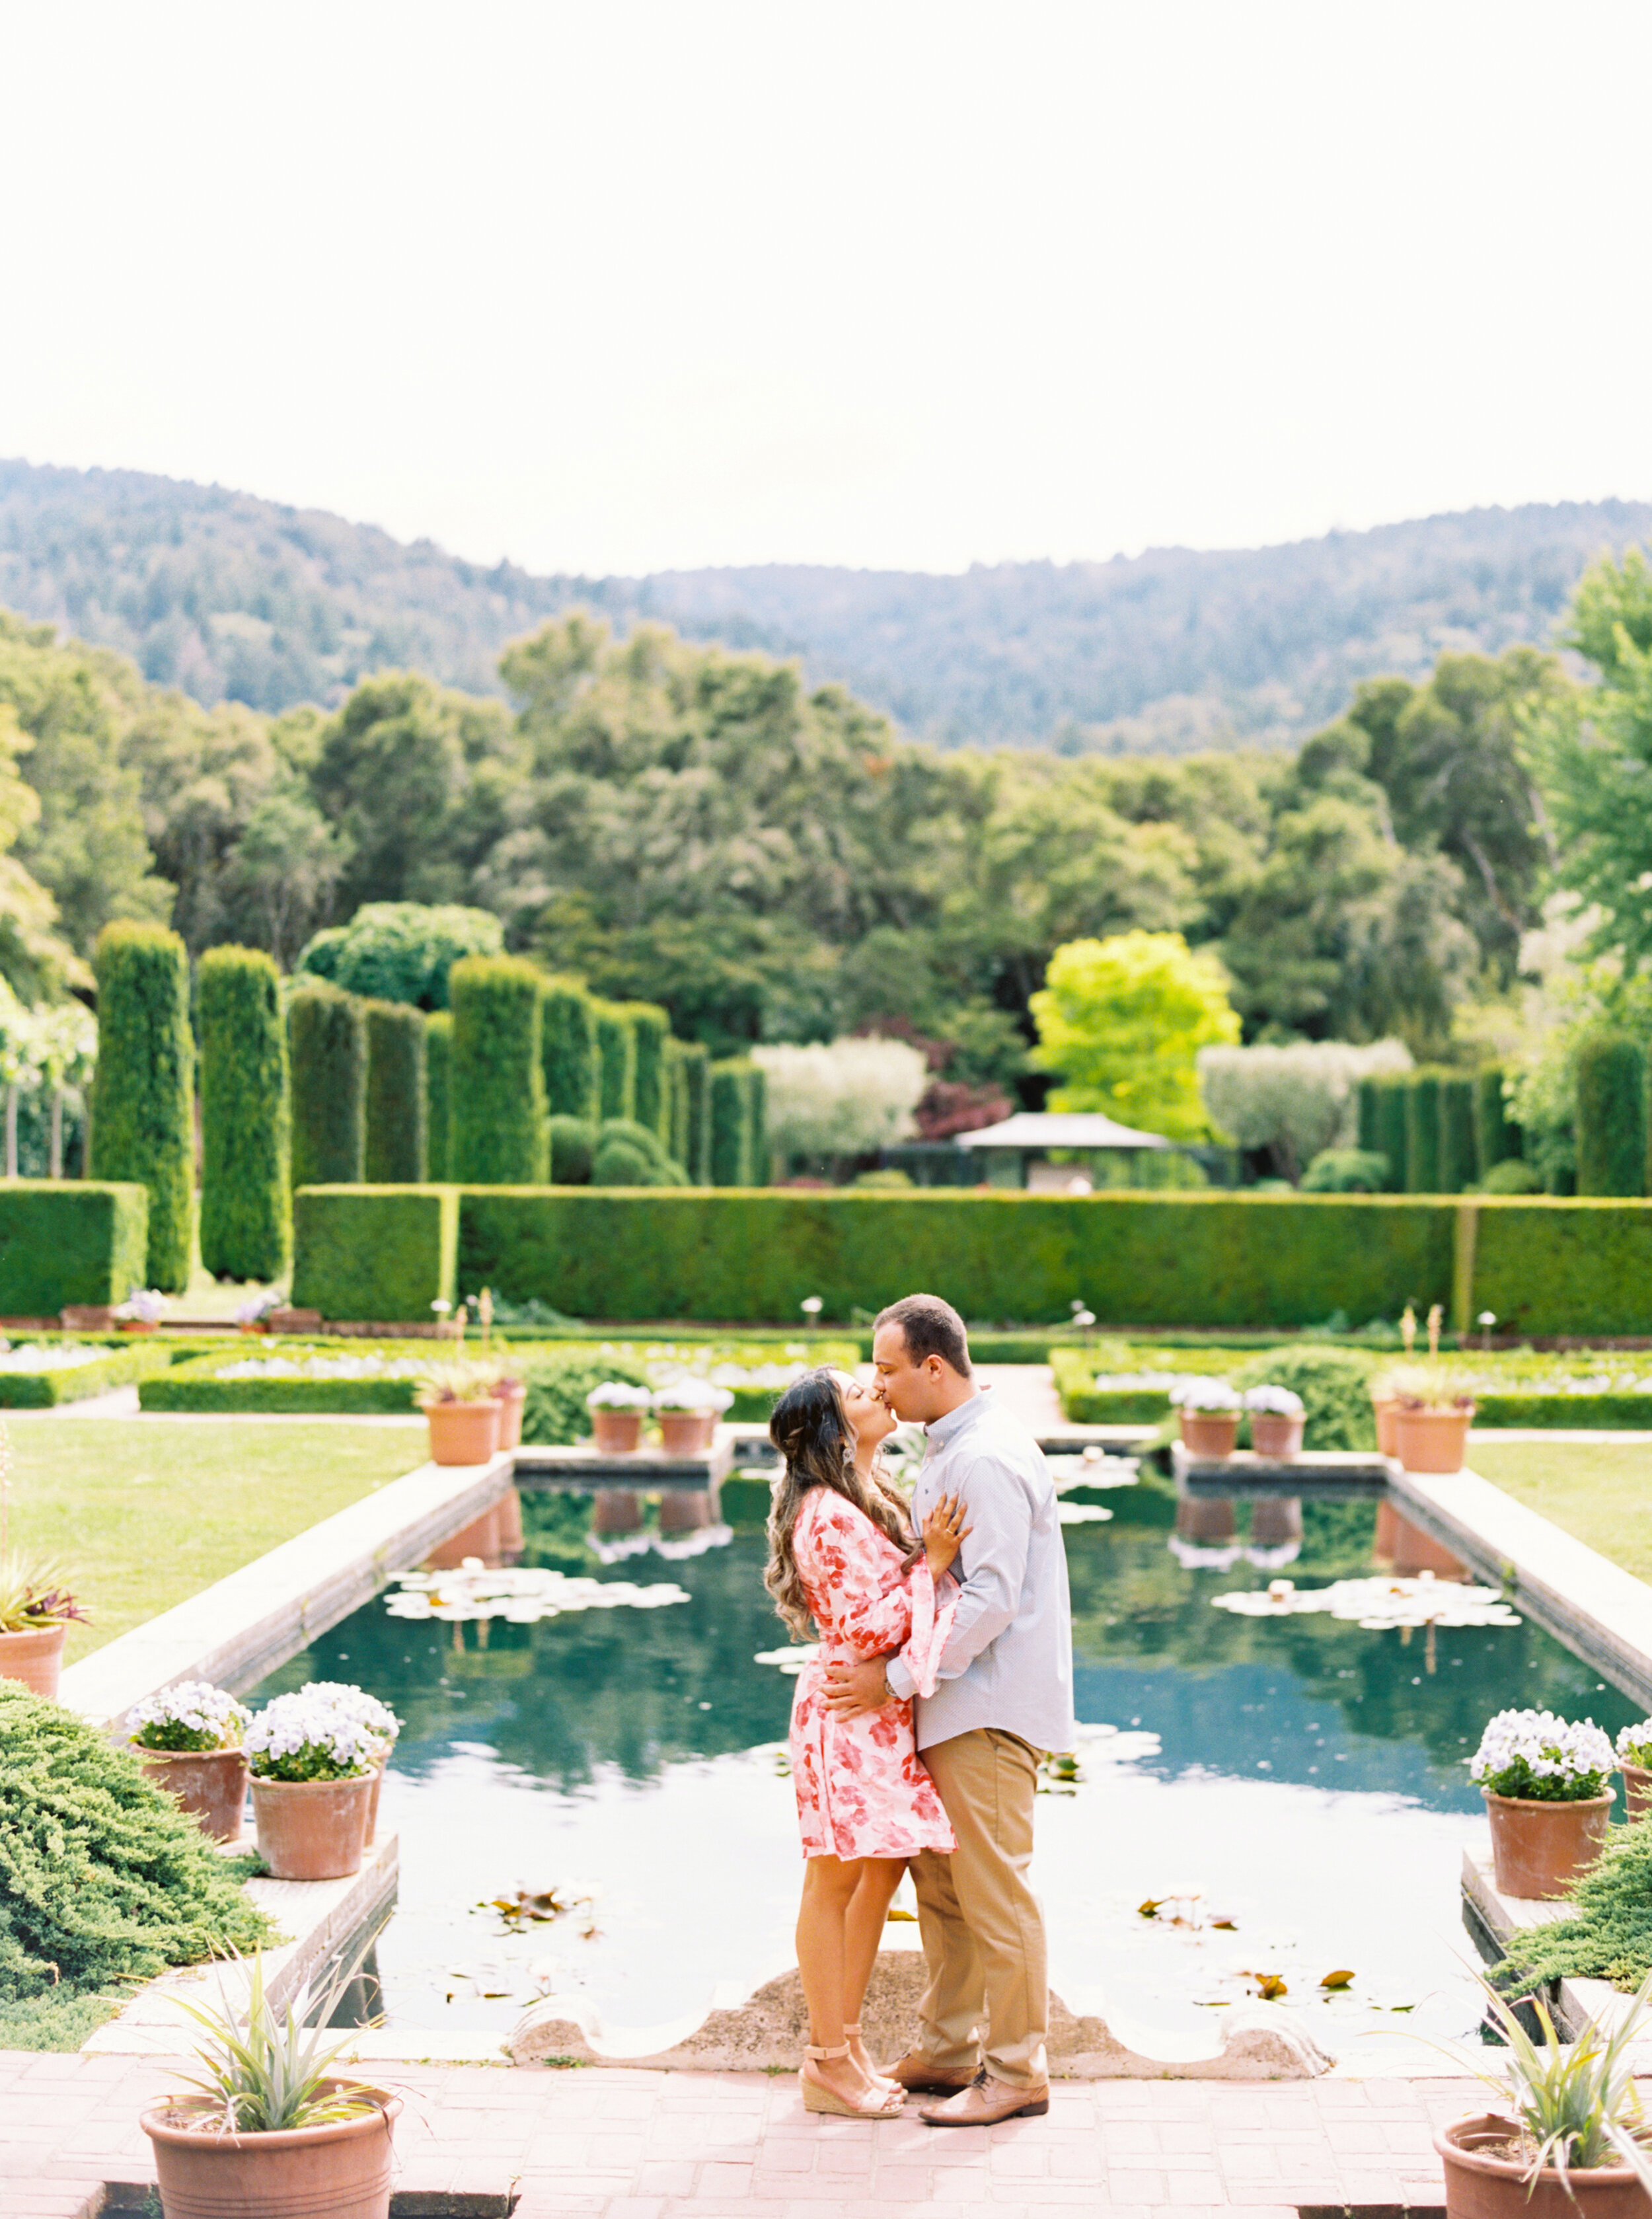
x,y
1008,1661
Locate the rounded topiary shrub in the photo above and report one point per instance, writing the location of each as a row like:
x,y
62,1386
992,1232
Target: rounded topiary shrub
x,y
143,1094
1334,1385
1512,1176
573,1146
245,1117
1346,1170
555,1414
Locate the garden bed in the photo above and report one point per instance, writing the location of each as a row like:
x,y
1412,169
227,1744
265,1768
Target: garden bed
x,y
41,1372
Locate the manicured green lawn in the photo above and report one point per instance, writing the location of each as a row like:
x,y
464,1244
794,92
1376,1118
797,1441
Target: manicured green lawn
x,y
147,1511
1599,1493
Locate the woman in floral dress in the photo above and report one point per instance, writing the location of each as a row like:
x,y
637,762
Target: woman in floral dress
x,y
842,1561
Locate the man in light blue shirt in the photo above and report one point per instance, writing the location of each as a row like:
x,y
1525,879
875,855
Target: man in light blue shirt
x,y
1004,1699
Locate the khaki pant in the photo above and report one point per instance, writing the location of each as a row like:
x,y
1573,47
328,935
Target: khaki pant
x,y
988,1993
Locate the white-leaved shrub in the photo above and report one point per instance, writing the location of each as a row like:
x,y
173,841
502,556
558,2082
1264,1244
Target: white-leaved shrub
x,y
842,1098
1294,1100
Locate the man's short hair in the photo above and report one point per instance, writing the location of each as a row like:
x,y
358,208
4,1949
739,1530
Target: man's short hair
x,y
929,1327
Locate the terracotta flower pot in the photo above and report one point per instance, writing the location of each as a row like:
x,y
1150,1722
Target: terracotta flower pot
x,y
36,1658
312,1829
616,1433
140,1325
1481,2186
1276,1436
462,1433
1637,1790
1538,1849
210,1784
1432,1440
687,1432
1387,1443
336,2172
511,1398
1209,1433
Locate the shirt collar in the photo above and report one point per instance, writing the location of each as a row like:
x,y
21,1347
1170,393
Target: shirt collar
x,y
945,1431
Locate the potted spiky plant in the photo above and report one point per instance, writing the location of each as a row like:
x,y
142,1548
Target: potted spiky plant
x,y
1572,2141
37,1607
266,2127
1544,1779
458,1402
187,1739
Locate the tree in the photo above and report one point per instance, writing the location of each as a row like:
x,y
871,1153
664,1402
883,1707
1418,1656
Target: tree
x,y
1122,1021
843,1100
402,951
1294,1102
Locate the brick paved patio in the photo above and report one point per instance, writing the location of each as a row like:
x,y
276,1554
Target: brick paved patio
x,y
621,2145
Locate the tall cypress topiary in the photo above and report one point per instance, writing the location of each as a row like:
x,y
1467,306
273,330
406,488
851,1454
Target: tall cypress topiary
x,y
247,1227
651,1093
1496,1137
326,1040
1392,1095
1366,1101
617,1061
1459,1164
1611,1113
677,1098
732,1124
696,1061
1423,1133
398,1116
438,1055
501,1136
143,1094
569,1035
757,1110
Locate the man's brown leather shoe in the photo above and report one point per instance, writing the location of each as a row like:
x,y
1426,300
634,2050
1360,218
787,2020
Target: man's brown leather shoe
x,y
984,2102
920,2077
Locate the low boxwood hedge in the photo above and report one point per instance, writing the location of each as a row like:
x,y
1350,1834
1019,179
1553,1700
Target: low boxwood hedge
x,y
80,1242
119,1367
1588,1413
381,1253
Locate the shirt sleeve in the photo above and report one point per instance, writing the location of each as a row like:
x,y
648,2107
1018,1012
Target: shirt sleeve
x,y
993,1561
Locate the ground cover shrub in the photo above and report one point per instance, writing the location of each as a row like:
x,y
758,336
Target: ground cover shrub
x,y
326,1040
384,1252
616,1060
498,1116
70,1241
650,1090
1423,1133
1612,1129
1607,1933
102,1880
245,1117
573,1146
1334,1384
1497,1139
143,1095
731,1125
397,1113
568,1047
1346,1170
1459,1164
438,1064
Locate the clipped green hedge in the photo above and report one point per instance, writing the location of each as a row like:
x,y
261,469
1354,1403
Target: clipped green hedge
x,y
568,1041
62,1241
1563,1265
1563,1413
1423,1133
245,1117
696,1060
383,1252
397,1111
116,1367
650,1083
193,1389
327,1040
1083,1403
498,1077
1496,1140
757,1134
143,1093
731,1125
439,1067
1389,1096
1458,1165
676,1136
1611,1134
616,1060
1195,1258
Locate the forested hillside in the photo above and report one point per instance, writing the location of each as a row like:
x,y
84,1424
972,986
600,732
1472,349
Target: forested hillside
x,y
235,599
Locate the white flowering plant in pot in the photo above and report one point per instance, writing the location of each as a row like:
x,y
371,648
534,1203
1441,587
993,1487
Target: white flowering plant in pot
x,y
619,1395
1273,1402
1202,1396
359,1706
143,1305
692,1395
191,1716
1635,1744
305,1736
1532,1756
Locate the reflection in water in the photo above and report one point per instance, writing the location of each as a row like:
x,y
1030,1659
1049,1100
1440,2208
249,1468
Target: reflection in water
x,y
1310,1773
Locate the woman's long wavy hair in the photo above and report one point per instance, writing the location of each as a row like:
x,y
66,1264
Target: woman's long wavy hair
x,y
811,1430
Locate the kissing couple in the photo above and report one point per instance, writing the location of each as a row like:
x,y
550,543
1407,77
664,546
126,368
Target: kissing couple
x,y
943,1678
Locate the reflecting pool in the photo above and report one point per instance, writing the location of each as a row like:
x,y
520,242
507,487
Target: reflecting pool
x,y
1289,1792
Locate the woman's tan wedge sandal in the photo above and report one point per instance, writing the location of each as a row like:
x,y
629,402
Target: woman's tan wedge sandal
x,y
879,2080
875,2104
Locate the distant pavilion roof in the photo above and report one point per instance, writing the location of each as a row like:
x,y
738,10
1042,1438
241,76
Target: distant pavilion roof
x,y
1051,1128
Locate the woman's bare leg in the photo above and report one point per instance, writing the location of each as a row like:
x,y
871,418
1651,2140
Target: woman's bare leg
x,y
829,1887
865,1920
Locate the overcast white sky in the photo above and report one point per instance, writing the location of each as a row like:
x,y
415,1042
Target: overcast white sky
x,y
655,282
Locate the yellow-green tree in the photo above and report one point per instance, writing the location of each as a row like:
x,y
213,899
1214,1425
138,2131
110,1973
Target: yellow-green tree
x,y
1122,1021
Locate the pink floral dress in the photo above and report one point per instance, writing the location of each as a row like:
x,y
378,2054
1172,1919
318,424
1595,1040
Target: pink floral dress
x,y
861,1792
